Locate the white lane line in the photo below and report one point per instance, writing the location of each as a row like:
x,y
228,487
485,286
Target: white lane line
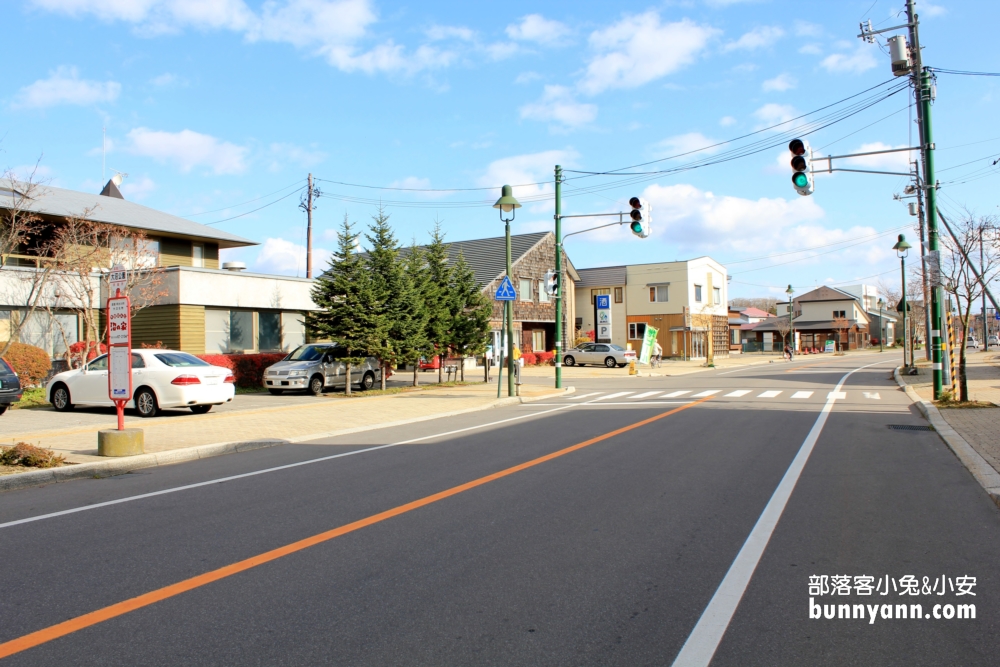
x,y
737,393
230,478
577,398
873,395
708,632
646,395
802,394
770,394
708,392
838,394
616,395
675,394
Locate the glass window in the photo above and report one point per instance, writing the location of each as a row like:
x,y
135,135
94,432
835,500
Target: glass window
x,y
617,348
180,359
697,293
597,292
241,330
543,296
525,291
216,331
198,255
601,348
307,353
659,294
538,340
98,364
138,361
268,331
619,295
717,295
636,330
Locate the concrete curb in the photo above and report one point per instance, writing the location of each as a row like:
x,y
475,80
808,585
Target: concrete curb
x,y
120,466
984,473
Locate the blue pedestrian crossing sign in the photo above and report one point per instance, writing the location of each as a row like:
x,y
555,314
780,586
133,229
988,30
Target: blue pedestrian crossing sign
x,y
505,291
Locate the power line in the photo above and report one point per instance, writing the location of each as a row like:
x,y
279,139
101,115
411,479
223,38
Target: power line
x,y
939,70
249,201
825,245
293,192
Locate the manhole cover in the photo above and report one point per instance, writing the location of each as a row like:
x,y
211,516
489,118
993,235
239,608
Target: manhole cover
x,y
909,427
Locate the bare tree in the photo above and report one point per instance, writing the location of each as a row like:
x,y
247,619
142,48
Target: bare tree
x,y
783,326
25,277
960,279
842,326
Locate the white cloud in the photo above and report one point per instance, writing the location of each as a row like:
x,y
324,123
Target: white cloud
x,y
930,9
537,28
283,154
165,79
780,83
558,105
639,49
64,86
861,60
440,32
137,190
685,143
897,161
188,149
159,15
806,29
412,183
773,114
519,170
727,121
757,38
283,257
811,49
527,77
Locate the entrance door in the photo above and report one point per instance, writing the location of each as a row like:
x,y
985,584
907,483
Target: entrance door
x,y
699,345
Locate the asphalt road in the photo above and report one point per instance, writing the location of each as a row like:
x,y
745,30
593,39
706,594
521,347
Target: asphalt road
x,y
639,520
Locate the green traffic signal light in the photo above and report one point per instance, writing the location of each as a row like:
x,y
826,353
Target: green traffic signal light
x,y
800,179
636,227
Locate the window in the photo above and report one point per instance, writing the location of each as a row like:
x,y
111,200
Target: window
x,y
636,330
543,296
697,293
241,330
269,331
538,340
598,292
198,255
619,294
307,353
717,295
525,291
602,348
137,361
98,364
180,360
840,313
659,294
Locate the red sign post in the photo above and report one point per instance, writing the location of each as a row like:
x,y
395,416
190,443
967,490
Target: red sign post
x,y
119,344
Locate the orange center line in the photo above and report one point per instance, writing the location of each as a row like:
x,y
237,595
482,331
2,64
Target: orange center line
x,y
120,608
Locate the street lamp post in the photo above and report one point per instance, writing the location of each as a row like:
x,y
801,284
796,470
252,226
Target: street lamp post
x,y
791,321
881,326
902,249
507,204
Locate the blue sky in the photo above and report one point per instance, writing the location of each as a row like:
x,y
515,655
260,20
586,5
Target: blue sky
x,y
217,108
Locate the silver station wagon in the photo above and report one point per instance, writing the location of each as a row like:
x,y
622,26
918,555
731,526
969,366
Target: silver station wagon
x,y
318,366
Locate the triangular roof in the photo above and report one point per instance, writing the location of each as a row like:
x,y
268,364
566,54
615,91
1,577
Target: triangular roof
x,y
111,190
62,203
825,293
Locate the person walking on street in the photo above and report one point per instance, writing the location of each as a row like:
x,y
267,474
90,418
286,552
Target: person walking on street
x,y
788,352
657,353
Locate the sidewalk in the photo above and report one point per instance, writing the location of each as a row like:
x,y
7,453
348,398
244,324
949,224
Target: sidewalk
x,y
285,423
978,426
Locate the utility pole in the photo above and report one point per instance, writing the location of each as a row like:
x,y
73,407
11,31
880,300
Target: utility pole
x,y
559,279
934,243
309,229
982,267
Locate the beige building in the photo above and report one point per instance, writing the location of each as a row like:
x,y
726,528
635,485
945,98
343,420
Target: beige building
x,y
685,301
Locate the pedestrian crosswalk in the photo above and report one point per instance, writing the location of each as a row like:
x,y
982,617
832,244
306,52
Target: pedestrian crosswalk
x,y
684,395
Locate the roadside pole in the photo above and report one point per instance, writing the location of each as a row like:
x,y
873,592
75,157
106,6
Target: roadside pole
x,y
559,279
510,325
934,244
120,442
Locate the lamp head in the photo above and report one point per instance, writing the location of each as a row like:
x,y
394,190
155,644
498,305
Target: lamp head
x,y
507,202
789,291
901,246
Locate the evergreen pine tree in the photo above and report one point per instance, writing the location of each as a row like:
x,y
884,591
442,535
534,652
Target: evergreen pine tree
x,y
350,308
399,306
437,296
413,342
471,312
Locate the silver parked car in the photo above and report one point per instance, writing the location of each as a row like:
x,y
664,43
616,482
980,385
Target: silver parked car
x,y
598,353
317,366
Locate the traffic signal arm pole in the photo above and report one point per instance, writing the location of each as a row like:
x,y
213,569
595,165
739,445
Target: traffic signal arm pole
x,y
559,279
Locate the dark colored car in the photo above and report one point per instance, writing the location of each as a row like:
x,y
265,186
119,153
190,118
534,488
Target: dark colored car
x,y
10,386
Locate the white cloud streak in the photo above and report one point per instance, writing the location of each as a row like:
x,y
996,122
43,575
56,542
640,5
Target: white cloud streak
x,y
64,86
188,149
758,38
558,105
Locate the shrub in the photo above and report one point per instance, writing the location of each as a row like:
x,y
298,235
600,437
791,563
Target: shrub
x,y
31,363
545,357
529,358
84,351
247,368
580,340
24,454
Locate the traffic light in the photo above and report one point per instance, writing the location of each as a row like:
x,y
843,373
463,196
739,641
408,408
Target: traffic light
x,y
641,216
551,282
802,177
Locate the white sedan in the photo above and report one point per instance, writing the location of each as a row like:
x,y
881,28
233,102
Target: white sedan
x,y
160,379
